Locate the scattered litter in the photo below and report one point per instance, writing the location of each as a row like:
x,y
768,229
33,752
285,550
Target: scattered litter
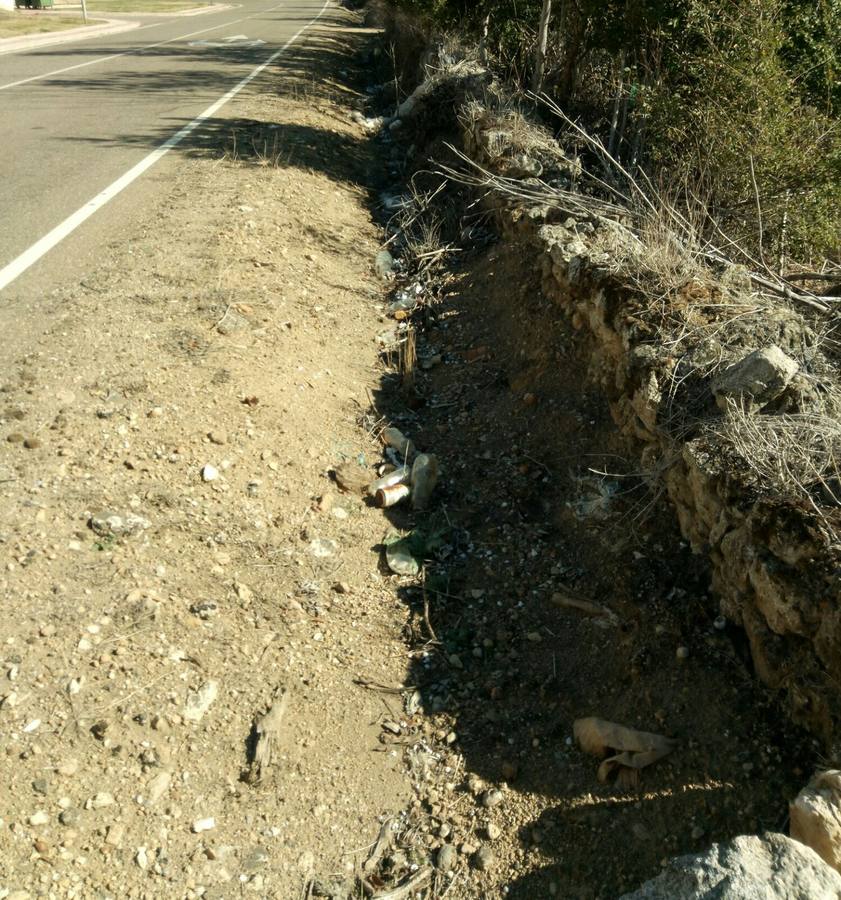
x,y
396,476
384,264
637,749
391,495
424,479
394,437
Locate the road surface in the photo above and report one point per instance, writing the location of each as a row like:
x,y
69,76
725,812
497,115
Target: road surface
x,y
77,117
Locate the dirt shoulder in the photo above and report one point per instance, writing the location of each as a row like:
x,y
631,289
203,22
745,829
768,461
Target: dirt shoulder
x,y
137,656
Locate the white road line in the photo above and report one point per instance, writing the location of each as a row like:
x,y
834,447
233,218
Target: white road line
x,y
29,257
100,59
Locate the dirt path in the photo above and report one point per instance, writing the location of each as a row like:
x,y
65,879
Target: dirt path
x,y
235,331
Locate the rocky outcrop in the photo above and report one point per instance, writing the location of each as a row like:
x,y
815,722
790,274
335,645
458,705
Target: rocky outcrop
x,y
676,351
767,867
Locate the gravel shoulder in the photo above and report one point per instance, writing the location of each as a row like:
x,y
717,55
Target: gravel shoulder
x,y
197,388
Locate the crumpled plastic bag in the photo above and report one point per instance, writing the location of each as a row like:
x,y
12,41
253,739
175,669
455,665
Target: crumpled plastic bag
x,y
637,749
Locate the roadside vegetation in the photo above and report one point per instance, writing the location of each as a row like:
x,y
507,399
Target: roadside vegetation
x,y
731,107
144,6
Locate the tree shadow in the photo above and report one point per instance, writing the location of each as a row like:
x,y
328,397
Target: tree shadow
x,y
540,497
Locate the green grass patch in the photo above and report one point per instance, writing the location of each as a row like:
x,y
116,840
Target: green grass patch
x,y
15,24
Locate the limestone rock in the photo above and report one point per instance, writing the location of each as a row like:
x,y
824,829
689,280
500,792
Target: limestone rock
x,y
751,867
756,379
816,817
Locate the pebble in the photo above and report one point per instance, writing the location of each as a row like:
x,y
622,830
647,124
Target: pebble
x,y
199,702
69,816
141,859
115,835
492,798
201,825
15,438
39,818
217,436
720,623
209,473
100,800
114,524
446,858
455,661
493,831
484,858
69,767
682,652
32,443
40,786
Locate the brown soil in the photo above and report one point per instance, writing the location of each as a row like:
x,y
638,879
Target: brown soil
x,y
255,323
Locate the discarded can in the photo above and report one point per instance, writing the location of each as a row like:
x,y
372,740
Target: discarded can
x,y
424,479
391,495
398,476
394,437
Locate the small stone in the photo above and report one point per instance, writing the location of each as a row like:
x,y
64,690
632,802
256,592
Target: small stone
x,y
446,858
455,661
720,623
393,727
32,443
69,816
509,770
113,524
40,786
493,831
115,834
483,858
697,833
201,825
15,438
41,846
68,767
141,859
341,587
39,818
218,436
157,787
200,701
682,652
209,473
100,800
492,798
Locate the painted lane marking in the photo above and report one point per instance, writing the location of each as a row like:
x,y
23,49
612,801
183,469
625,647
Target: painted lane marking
x,y
29,257
100,59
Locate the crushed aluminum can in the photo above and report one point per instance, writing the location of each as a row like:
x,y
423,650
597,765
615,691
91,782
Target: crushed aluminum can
x,y
391,495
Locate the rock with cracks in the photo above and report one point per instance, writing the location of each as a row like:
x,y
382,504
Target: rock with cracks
x,y
770,867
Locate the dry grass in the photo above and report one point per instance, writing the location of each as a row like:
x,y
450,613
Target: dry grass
x,y
796,456
15,24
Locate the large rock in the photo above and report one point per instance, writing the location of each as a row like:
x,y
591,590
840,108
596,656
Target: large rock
x,y
766,867
756,379
816,817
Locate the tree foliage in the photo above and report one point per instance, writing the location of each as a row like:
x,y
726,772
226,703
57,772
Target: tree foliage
x,y
736,101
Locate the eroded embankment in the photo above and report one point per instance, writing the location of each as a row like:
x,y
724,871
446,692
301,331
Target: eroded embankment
x,y
667,365
727,398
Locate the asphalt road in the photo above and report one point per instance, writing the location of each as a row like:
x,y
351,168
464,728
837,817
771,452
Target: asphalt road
x,y
69,135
